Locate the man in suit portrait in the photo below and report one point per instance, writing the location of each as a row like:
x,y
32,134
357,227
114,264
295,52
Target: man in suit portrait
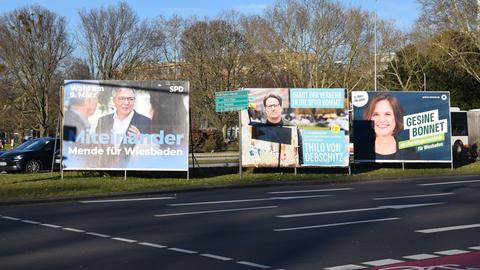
x,y
123,123
76,115
75,122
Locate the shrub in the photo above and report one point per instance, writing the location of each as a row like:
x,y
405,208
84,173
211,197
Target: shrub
x,y
207,140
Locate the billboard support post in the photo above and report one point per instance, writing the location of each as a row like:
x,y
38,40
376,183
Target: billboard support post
x,y
55,145
125,175
240,144
62,89
403,166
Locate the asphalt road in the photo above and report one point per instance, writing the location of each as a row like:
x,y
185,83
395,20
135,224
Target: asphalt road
x,y
347,226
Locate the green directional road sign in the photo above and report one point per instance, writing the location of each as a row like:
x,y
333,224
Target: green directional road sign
x,y
228,101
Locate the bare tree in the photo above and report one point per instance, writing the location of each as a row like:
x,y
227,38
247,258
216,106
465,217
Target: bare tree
x,y
76,69
115,41
215,55
33,43
455,27
320,43
168,62
406,69
172,30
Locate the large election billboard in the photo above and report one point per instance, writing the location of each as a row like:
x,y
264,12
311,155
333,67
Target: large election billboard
x,y
398,126
295,127
125,125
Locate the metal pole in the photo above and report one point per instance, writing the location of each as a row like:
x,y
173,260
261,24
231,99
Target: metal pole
x,y
55,145
375,45
125,175
240,144
61,129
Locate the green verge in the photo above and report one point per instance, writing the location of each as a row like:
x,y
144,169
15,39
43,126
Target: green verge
x,y
14,187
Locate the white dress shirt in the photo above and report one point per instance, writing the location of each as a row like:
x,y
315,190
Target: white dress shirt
x,y
120,127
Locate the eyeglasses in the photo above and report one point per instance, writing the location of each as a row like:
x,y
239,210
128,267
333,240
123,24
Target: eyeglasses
x,y
273,106
123,99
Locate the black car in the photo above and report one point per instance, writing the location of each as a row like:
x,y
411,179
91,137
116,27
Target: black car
x,y
31,156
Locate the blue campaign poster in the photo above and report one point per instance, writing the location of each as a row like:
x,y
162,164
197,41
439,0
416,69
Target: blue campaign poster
x,y
324,148
332,98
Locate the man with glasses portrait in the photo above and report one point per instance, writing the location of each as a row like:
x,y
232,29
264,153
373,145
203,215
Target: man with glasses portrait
x,y
273,109
124,121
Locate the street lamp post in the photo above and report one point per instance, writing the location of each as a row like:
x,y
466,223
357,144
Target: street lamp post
x,y
375,45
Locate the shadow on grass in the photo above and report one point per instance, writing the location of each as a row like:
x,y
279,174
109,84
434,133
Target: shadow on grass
x,y
358,168
195,173
38,179
301,170
458,163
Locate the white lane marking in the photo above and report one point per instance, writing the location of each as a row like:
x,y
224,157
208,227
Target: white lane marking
x,y
449,183
359,210
51,225
73,230
128,200
452,252
475,248
249,200
220,202
124,240
11,218
346,267
183,250
152,245
221,258
212,256
30,221
413,196
382,262
446,229
420,256
301,197
334,224
261,266
98,234
309,190
215,211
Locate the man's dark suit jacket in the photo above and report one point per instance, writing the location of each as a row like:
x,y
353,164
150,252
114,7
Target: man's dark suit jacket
x,y
105,125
